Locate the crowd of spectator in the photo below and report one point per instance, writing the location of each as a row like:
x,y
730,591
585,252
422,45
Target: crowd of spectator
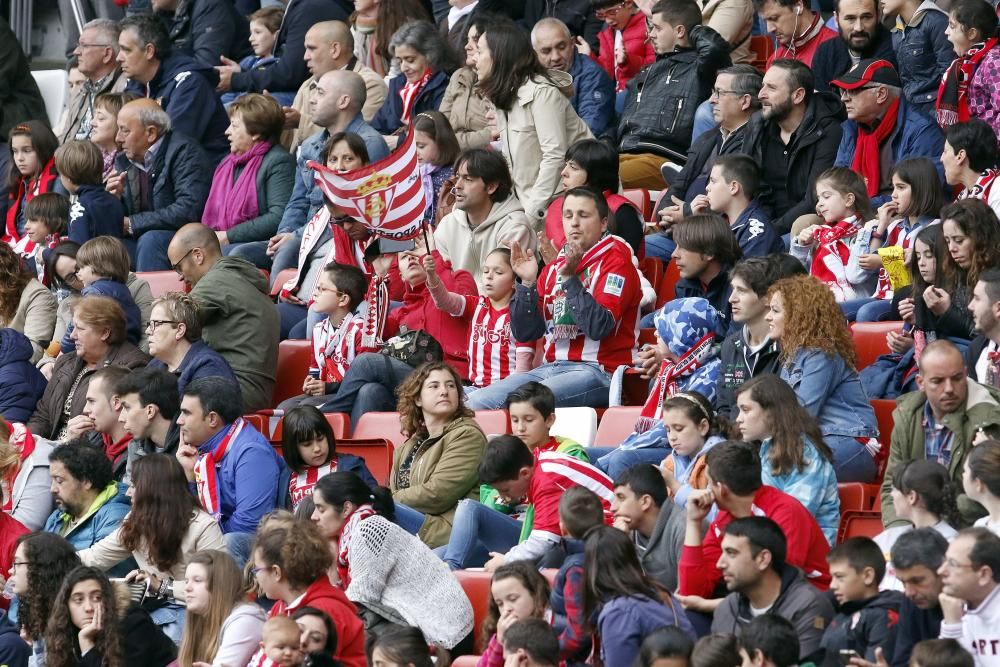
x,y
682,205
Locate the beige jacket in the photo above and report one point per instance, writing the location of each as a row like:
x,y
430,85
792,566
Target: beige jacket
x,y
35,317
535,134
203,533
444,472
466,247
466,110
374,85
733,20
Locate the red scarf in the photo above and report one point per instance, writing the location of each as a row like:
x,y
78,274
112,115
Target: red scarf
x,y
666,381
24,442
829,241
344,541
953,93
115,449
28,190
866,153
409,94
205,473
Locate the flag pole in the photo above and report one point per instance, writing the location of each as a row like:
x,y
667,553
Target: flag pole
x,y
427,243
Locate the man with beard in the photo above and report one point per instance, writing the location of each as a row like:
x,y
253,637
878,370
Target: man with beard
x,y
794,138
982,357
862,37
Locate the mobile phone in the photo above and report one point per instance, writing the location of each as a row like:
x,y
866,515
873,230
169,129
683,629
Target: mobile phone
x,y
846,654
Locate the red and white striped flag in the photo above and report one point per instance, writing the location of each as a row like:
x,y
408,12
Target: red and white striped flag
x,y
387,196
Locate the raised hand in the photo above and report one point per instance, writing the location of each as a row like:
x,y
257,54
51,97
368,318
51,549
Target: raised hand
x,y
522,260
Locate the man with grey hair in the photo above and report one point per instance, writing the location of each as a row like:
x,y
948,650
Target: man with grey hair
x,y
76,15
97,58
184,88
593,91
163,179
869,91
330,46
335,104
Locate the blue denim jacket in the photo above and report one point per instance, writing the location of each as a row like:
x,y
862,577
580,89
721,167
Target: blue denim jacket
x,y
831,391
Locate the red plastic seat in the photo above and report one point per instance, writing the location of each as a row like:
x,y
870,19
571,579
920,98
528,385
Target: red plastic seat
x,y
652,269
869,340
493,422
340,424
377,453
380,425
852,497
670,278
616,424
476,584
161,282
883,415
859,524
294,357
283,276
761,46
640,198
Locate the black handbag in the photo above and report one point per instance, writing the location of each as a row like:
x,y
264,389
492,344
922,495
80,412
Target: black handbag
x,y
414,348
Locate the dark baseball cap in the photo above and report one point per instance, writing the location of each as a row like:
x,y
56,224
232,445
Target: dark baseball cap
x,y
867,72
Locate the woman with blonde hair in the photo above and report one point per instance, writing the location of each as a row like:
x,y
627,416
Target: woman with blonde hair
x,y
438,465
818,361
24,468
222,627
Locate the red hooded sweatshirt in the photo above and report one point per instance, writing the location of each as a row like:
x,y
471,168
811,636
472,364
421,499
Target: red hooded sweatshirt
x,y
322,595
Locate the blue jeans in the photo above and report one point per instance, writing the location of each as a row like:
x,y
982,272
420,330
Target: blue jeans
x,y
149,251
703,119
291,315
239,546
476,531
170,619
868,309
369,386
574,383
851,461
254,252
408,518
660,246
614,460
304,329
286,257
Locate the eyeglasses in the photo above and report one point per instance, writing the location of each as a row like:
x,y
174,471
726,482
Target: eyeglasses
x,y
152,324
71,277
19,563
257,570
608,11
341,219
177,267
91,45
719,92
955,565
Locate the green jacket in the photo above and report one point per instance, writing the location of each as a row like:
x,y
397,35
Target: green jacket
x,y
445,471
274,182
241,323
491,498
981,411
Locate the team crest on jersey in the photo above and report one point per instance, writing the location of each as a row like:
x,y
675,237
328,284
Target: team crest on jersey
x,y
180,78
756,227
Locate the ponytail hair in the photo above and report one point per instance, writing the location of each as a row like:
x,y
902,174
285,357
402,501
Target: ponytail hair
x,y
932,483
342,487
984,464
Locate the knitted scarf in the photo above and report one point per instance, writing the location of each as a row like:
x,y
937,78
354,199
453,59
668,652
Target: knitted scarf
x,y
233,199
866,153
28,189
409,94
666,380
953,100
830,243
564,326
344,541
205,473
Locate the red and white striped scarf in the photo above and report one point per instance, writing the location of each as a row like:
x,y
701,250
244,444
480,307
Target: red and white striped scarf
x,y
831,255
344,541
564,326
409,94
205,469
24,442
666,381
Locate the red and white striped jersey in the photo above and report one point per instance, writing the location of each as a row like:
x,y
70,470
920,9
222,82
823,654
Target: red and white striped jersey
x,y
553,474
608,274
301,484
492,350
335,347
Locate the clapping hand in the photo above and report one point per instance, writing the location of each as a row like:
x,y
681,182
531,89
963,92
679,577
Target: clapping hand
x,y
522,260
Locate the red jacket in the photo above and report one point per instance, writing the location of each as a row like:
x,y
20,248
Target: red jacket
x,y
807,546
638,51
804,53
419,312
322,595
10,530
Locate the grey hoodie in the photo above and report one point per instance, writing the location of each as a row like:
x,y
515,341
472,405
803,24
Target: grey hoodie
x,y
660,554
241,323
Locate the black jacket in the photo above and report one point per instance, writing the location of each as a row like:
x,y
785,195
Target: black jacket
x,y
833,59
735,370
578,15
142,642
814,148
662,98
861,626
972,354
915,625
700,158
289,46
207,29
20,99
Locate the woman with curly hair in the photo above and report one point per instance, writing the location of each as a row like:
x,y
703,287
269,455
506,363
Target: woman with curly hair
x,y
819,362
94,624
25,305
222,627
972,234
41,562
290,565
166,525
438,465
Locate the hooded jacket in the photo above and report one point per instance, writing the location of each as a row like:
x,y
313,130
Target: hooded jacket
x,y
734,357
924,53
185,89
662,98
861,626
980,411
21,384
445,471
34,317
977,632
660,554
240,635
205,30
813,150
593,96
799,602
101,519
466,247
833,58
241,323
322,595
14,651
624,622
815,485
